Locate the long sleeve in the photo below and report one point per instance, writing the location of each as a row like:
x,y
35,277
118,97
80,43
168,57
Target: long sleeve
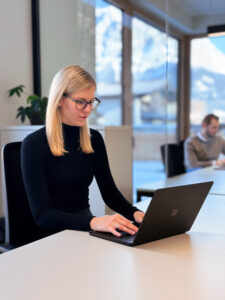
x,y
110,193
202,153
34,176
223,145
191,157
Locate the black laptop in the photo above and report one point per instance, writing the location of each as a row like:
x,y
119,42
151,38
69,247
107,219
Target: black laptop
x,y
171,211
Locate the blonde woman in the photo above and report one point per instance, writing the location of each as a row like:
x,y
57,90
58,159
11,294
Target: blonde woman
x,y
60,160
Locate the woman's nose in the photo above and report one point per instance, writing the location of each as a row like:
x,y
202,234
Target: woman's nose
x,y
88,108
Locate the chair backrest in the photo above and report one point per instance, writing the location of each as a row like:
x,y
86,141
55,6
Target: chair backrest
x,y
20,225
175,163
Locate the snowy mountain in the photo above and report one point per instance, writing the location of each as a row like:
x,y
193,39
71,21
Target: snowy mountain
x,y
150,54
148,47
206,56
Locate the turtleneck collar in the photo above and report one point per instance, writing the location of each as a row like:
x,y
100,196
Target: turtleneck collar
x,y
71,135
70,128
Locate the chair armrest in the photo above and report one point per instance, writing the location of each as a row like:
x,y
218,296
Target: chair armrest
x,y
141,193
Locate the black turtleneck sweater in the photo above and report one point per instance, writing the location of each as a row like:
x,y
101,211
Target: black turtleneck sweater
x,y
57,187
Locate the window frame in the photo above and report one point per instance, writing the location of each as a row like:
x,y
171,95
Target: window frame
x,y
128,10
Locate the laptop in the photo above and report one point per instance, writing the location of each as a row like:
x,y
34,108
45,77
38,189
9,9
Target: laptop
x,y
171,211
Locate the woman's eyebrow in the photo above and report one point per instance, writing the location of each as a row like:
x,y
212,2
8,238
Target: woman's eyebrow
x,y
84,99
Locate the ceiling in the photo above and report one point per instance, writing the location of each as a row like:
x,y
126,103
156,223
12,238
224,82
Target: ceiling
x,y
188,16
200,7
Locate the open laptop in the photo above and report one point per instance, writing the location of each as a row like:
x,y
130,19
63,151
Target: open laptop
x,y
171,211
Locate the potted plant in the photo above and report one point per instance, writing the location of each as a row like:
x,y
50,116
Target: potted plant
x,y
36,106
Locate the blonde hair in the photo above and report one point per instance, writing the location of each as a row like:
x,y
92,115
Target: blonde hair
x,y
68,80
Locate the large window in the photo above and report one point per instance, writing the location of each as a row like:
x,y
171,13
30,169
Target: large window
x,y
98,36
154,70
207,80
152,65
154,87
108,56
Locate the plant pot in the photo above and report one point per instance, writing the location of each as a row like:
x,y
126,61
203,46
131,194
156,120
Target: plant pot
x,y
36,119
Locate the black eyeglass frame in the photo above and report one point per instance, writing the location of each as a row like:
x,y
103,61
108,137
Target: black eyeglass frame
x,y
76,101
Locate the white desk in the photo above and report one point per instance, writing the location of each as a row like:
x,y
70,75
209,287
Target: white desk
x,y
73,265
205,174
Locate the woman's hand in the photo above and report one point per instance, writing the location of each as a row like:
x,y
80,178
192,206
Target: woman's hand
x,y
111,223
138,216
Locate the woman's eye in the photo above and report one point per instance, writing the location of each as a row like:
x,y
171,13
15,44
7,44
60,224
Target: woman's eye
x,y
80,101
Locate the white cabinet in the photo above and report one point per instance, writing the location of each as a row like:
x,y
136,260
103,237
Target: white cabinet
x,y
118,140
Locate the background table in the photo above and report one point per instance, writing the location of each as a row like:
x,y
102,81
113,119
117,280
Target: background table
x,y
73,265
201,175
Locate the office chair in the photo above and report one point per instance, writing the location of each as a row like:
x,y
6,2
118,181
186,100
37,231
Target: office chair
x,y
20,227
175,164
2,229
175,158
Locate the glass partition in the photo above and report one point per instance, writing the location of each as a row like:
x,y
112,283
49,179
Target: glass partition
x,y
155,72
67,37
108,64
91,34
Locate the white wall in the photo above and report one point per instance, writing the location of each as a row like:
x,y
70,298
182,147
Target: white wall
x,y
16,65
16,55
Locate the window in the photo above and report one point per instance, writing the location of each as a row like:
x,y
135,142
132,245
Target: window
x,y
149,63
154,70
108,55
207,80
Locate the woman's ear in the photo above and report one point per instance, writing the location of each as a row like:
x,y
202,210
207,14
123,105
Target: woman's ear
x,y
60,102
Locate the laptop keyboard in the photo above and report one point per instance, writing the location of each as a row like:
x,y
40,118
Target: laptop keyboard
x,y
123,233
125,237
128,238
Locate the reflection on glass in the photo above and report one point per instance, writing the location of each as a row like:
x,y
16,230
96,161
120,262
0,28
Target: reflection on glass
x,y
152,109
108,49
149,77
207,80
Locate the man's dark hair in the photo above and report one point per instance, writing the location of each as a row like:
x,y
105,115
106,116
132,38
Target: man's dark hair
x,y
208,118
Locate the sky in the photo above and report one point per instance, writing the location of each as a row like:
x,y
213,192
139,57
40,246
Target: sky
x,y
101,3
219,42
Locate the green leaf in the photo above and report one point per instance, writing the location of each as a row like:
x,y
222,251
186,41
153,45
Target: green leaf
x,y
18,90
21,113
22,118
32,98
35,104
21,87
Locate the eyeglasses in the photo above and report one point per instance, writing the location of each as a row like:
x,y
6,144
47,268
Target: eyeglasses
x,y
81,104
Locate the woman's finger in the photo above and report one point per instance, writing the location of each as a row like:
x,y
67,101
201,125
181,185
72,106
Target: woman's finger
x,y
126,229
129,225
115,232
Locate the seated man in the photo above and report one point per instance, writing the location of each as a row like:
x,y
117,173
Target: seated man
x,y
203,149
